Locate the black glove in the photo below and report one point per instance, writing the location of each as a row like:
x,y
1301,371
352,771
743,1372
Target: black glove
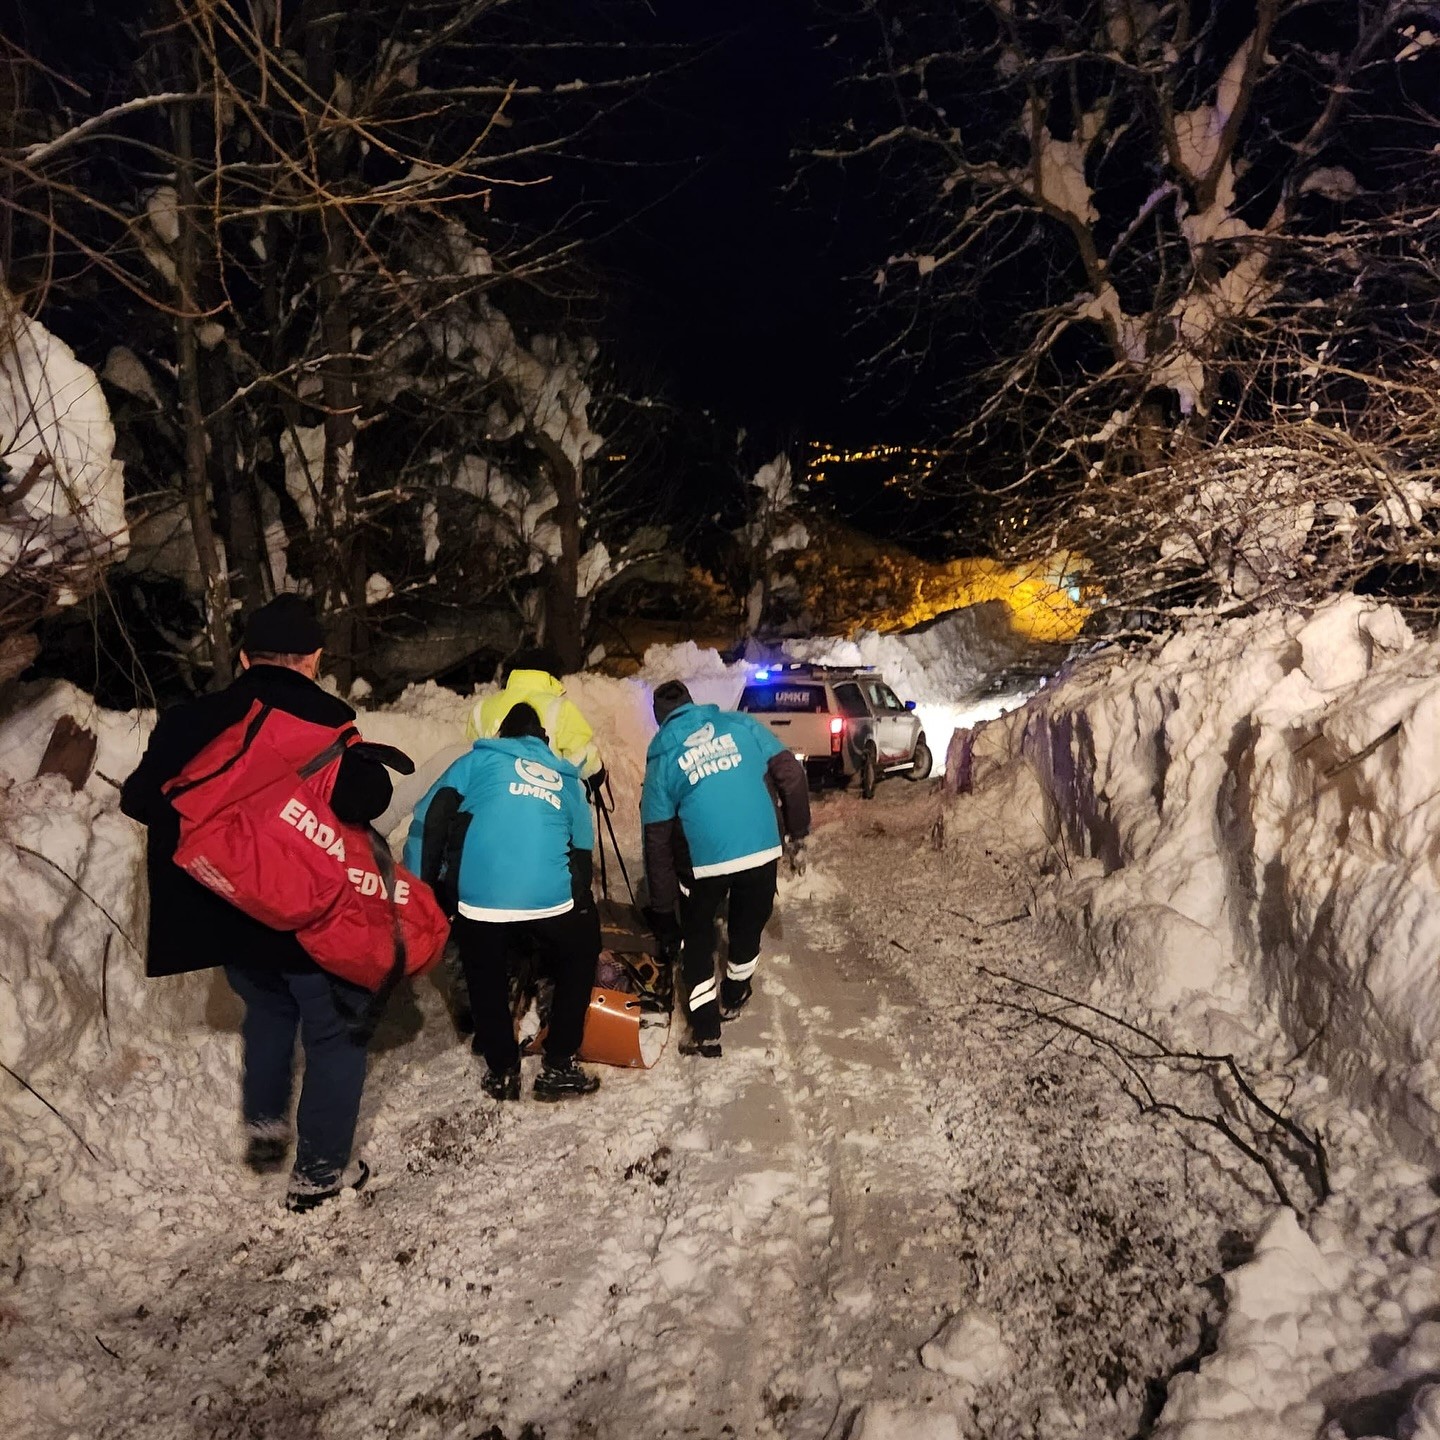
x,y
666,929
596,783
797,854
582,876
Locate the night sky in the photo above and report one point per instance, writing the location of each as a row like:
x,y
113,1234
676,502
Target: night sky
x,y
732,265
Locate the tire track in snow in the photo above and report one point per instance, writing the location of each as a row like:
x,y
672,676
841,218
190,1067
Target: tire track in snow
x,y
725,1292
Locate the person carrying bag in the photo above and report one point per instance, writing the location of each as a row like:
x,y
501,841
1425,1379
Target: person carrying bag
x,y
195,925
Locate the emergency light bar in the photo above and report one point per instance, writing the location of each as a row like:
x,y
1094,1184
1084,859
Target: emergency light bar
x,y
805,667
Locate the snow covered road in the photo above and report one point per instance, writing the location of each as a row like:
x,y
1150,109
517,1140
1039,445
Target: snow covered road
x,y
755,1247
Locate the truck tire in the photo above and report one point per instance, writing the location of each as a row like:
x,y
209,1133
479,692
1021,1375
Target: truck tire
x,y
923,763
869,773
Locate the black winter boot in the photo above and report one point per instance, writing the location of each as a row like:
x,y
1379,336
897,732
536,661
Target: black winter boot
x,y
301,1198
266,1146
707,1048
734,997
562,1078
502,1084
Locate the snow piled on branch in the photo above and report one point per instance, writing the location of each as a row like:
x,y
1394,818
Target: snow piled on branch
x,y
62,495
543,381
303,449
776,527
541,395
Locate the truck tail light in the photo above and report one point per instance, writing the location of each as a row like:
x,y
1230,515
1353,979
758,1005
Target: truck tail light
x,y
837,735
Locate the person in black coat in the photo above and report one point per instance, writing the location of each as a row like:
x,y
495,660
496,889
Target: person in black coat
x,y
192,928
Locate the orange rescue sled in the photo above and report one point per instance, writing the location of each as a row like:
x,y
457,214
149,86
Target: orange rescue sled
x,y
628,1021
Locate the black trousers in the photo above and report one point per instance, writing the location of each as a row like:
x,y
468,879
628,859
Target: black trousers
x,y
751,897
568,946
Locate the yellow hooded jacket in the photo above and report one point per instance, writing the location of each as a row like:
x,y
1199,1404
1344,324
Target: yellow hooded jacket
x,y
568,731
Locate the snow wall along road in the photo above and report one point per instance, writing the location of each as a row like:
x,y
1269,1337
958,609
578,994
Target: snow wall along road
x,y
1245,824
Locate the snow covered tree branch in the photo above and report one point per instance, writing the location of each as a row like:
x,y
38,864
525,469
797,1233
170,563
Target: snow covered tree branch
x,y
1131,231
317,203
62,517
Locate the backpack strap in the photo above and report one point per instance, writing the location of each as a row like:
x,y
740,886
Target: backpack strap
x,y
333,751
259,713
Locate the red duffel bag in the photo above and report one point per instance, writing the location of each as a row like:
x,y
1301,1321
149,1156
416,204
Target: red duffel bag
x,y
256,827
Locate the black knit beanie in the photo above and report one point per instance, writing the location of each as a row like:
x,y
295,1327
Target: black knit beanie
x,y
285,626
521,720
669,697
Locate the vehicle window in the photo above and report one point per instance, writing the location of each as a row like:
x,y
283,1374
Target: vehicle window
x,y
890,699
850,701
793,699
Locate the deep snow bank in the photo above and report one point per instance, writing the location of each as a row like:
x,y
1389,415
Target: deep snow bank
x,y
1243,823
72,906
1238,832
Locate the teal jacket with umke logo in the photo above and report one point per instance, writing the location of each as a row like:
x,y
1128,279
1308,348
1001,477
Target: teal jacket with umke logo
x,y
520,809
707,768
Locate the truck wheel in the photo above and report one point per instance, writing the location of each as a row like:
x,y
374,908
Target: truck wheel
x,y
869,773
920,770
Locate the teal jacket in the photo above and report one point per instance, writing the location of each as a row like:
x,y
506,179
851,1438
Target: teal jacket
x,y
497,830
709,775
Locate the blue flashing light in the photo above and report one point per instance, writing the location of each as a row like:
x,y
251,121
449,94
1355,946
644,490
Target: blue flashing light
x,y
762,674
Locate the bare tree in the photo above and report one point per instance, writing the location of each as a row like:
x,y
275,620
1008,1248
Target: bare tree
x,y
1134,231
281,209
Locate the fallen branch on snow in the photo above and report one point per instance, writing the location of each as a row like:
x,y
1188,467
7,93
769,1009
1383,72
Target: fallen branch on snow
x,y
1272,1135
24,1084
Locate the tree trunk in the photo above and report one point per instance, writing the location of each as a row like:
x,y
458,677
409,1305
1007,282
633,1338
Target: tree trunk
x,y
215,582
231,482
345,563
281,417
564,617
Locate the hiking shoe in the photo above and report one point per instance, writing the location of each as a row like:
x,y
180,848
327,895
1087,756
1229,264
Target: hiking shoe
x,y
734,997
302,1197
706,1049
265,1154
562,1079
501,1084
